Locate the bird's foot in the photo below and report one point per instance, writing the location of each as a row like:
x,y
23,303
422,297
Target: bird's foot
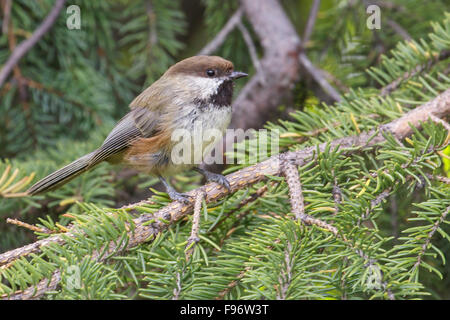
x,y
215,177
180,197
174,195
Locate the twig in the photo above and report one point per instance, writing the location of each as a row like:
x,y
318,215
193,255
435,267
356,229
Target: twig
x,y
438,178
311,21
232,284
253,197
252,50
27,226
337,193
382,196
26,45
311,221
316,74
290,172
285,277
399,29
333,79
430,235
193,239
39,290
444,54
177,290
222,35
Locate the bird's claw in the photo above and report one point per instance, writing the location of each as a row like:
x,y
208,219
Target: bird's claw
x,y
180,197
220,179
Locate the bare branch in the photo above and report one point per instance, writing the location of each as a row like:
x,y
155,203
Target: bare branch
x,y
193,239
285,277
290,172
311,21
27,225
26,45
252,50
318,77
399,29
6,15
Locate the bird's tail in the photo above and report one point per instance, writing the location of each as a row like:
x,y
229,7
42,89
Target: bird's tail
x,y
62,175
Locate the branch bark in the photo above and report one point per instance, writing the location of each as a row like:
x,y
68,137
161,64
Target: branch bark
x,y
26,45
311,21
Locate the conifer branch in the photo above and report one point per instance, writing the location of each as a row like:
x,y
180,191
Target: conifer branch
x,y
6,5
173,212
429,236
285,277
27,226
253,197
388,89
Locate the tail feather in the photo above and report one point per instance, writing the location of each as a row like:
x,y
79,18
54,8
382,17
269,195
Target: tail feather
x,y
62,175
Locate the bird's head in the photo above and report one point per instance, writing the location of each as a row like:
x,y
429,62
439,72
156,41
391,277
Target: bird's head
x,y
205,78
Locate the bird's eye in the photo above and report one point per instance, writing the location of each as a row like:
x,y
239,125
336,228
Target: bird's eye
x,y
210,72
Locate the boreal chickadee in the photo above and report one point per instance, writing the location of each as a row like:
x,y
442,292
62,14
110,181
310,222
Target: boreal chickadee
x,y
194,91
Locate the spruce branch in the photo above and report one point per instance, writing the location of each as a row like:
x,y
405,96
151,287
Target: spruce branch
x,y
252,50
232,284
6,6
388,89
173,212
439,178
429,237
317,75
285,277
311,21
28,226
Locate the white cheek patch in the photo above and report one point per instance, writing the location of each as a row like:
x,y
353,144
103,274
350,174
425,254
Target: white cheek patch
x,y
204,87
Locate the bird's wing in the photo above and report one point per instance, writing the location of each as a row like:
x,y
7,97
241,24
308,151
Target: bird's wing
x,y
138,123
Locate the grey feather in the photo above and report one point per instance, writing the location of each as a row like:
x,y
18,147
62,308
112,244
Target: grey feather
x,y
139,123
62,175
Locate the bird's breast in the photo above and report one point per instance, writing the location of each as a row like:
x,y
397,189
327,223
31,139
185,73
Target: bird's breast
x,y
203,124
195,129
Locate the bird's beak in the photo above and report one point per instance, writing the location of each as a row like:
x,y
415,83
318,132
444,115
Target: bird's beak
x,y
237,74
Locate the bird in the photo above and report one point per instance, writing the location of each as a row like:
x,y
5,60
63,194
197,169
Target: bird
x,y
196,91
